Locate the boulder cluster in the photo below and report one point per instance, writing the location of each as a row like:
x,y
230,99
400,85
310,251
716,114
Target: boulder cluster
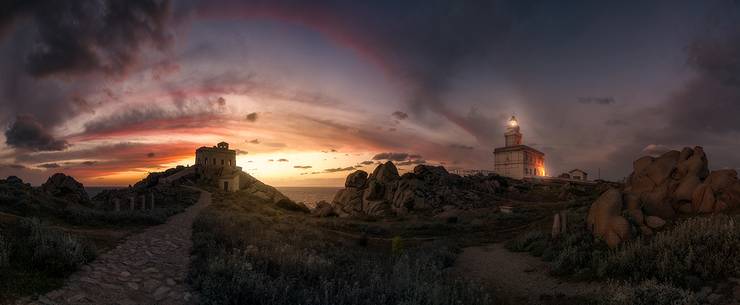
x,y
426,189
66,187
659,189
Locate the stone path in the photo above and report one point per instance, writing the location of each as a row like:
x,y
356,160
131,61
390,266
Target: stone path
x,y
517,278
148,268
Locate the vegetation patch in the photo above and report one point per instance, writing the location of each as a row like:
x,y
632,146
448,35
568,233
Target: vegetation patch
x,y
248,252
34,257
661,269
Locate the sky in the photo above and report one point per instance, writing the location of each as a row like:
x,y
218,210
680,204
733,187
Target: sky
x,y
308,91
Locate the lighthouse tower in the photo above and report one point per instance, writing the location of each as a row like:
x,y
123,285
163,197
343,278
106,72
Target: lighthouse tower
x,y
515,159
513,136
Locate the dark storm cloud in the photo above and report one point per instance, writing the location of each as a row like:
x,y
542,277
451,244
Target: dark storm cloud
x,y
367,162
303,166
89,36
41,39
400,115
28,133
255,141
596,100
411,162
50,165
460,146
13,166
282,160
150,155
252,117
339,169
423,48
711,101
391,156
178,112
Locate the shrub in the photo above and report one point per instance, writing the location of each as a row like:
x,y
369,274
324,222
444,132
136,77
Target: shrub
x,y
648,293
83,216
396,245
705,247
243,256
50,250
4,252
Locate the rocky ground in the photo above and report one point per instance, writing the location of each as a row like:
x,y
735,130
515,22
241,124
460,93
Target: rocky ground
x,y
148,268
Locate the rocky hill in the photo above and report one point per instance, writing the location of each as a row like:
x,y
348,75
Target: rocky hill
x,y
426,189
659,189
59,191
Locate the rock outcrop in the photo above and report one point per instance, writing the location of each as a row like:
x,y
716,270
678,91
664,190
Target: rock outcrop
x,y
65,187
426,189
660,188
605,218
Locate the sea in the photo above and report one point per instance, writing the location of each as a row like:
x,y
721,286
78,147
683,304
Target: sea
x,y
309,195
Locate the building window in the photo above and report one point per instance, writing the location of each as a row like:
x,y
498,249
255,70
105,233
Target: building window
x,y
214,161
206,162
222,162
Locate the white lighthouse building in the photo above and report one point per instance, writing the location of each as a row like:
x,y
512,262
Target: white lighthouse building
x,y
515,159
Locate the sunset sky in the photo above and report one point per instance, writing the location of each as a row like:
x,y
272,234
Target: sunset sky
x,y
306,91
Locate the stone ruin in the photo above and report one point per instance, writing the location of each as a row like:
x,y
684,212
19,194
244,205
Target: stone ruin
x,y
659,189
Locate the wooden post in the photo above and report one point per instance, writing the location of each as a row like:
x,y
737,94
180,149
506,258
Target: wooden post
x,y
117,204
131,202
143,202
152,201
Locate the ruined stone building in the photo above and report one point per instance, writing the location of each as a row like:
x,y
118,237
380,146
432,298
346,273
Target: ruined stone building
x,y
515,159
219,163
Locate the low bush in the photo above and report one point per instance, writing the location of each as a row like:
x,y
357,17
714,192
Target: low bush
x,y
36,258
244,256
700,247
91,217
4,252
705,247
648,293
49,250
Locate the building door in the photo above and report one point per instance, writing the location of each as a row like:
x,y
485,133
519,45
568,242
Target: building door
x,y
226,186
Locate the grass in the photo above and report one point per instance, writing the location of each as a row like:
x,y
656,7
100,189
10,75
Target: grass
x,y
649,292
250,253
658,270
34,257
91,217
706,248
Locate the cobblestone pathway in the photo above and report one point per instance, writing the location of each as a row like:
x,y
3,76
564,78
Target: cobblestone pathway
x,y
148,268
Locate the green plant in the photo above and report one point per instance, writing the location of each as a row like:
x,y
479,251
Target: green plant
x,y
648,293
245,256
396,245
51,250
705,247
4,252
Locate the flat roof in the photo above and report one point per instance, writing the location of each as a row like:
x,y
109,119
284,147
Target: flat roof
x,y
215,148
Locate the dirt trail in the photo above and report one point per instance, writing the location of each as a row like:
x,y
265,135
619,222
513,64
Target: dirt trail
x,y
517,278
147,268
